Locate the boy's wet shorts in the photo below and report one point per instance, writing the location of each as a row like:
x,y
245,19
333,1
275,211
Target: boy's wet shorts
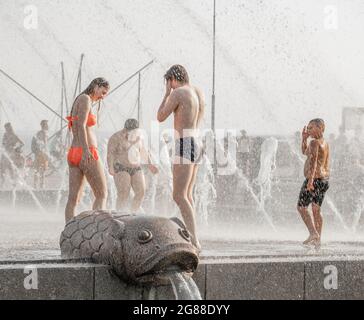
x,y
315,196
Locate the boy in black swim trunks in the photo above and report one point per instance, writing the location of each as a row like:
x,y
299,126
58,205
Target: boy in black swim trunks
x,y
316,171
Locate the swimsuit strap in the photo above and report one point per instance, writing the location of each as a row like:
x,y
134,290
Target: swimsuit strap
x,y
70,119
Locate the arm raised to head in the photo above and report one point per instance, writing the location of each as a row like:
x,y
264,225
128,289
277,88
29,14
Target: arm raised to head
x,y
169,104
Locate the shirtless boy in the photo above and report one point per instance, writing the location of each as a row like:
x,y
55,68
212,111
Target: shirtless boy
x,y
125,155
187,104
316,171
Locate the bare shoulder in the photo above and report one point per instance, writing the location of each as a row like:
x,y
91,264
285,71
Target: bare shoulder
x,y
113,138
84,101
178,93
198,91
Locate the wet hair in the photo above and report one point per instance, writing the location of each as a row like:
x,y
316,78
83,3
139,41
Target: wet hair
x,y
101,82
319,123
177,72
131,124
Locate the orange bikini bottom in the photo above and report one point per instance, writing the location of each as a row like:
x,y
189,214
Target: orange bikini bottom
x,y
74,156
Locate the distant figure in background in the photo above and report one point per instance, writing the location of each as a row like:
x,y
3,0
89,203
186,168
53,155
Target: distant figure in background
x,y
340,153
243,152
254,157
356,187
41,156
125,156
11,153
57,147
316,171
356,145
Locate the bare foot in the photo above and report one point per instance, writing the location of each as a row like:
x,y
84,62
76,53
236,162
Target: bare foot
x,y
312,238
197,244
317,244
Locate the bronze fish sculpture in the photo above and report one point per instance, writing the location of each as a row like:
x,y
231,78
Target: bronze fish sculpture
x,y
139,248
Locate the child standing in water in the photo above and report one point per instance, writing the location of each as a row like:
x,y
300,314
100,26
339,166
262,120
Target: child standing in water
x,y
316,171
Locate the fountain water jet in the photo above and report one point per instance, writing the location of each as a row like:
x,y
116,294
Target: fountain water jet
x,y
23,183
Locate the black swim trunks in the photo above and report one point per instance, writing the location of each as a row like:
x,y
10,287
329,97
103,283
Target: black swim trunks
x,y
187,148
315,196
118,167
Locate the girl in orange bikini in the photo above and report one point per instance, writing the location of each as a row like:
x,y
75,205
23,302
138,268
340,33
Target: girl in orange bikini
x,y
83,158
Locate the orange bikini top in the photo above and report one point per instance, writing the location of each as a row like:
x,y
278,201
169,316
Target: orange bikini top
x,y
91,120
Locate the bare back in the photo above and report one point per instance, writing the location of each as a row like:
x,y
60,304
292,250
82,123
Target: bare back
x,y
188,110
81,110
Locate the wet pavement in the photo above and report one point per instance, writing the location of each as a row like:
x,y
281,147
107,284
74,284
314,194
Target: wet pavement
x,y
34,236
218,250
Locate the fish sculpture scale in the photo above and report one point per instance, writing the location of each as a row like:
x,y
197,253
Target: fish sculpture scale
x,y
139,248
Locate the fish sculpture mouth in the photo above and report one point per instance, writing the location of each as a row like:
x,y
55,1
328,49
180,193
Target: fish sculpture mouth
x,y
175,257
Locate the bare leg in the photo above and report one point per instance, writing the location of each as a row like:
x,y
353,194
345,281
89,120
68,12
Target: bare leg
x,y
192,185
76,182
138,185
309,224
97,180
182,175
192,200
122,184
317,217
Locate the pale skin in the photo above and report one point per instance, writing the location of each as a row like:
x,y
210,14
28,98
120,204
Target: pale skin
x,y
10,140
127,148
89,168
40,170
316,167
187,104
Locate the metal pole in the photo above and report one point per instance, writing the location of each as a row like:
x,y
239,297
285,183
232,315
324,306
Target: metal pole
x,y
213,85
80,80
35,97
62,96
139,110
64,89
132,76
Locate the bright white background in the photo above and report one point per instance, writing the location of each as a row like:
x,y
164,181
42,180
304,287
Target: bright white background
x,y
279,62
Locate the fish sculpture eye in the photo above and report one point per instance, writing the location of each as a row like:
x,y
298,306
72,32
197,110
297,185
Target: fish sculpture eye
x,y
184,234
145,236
